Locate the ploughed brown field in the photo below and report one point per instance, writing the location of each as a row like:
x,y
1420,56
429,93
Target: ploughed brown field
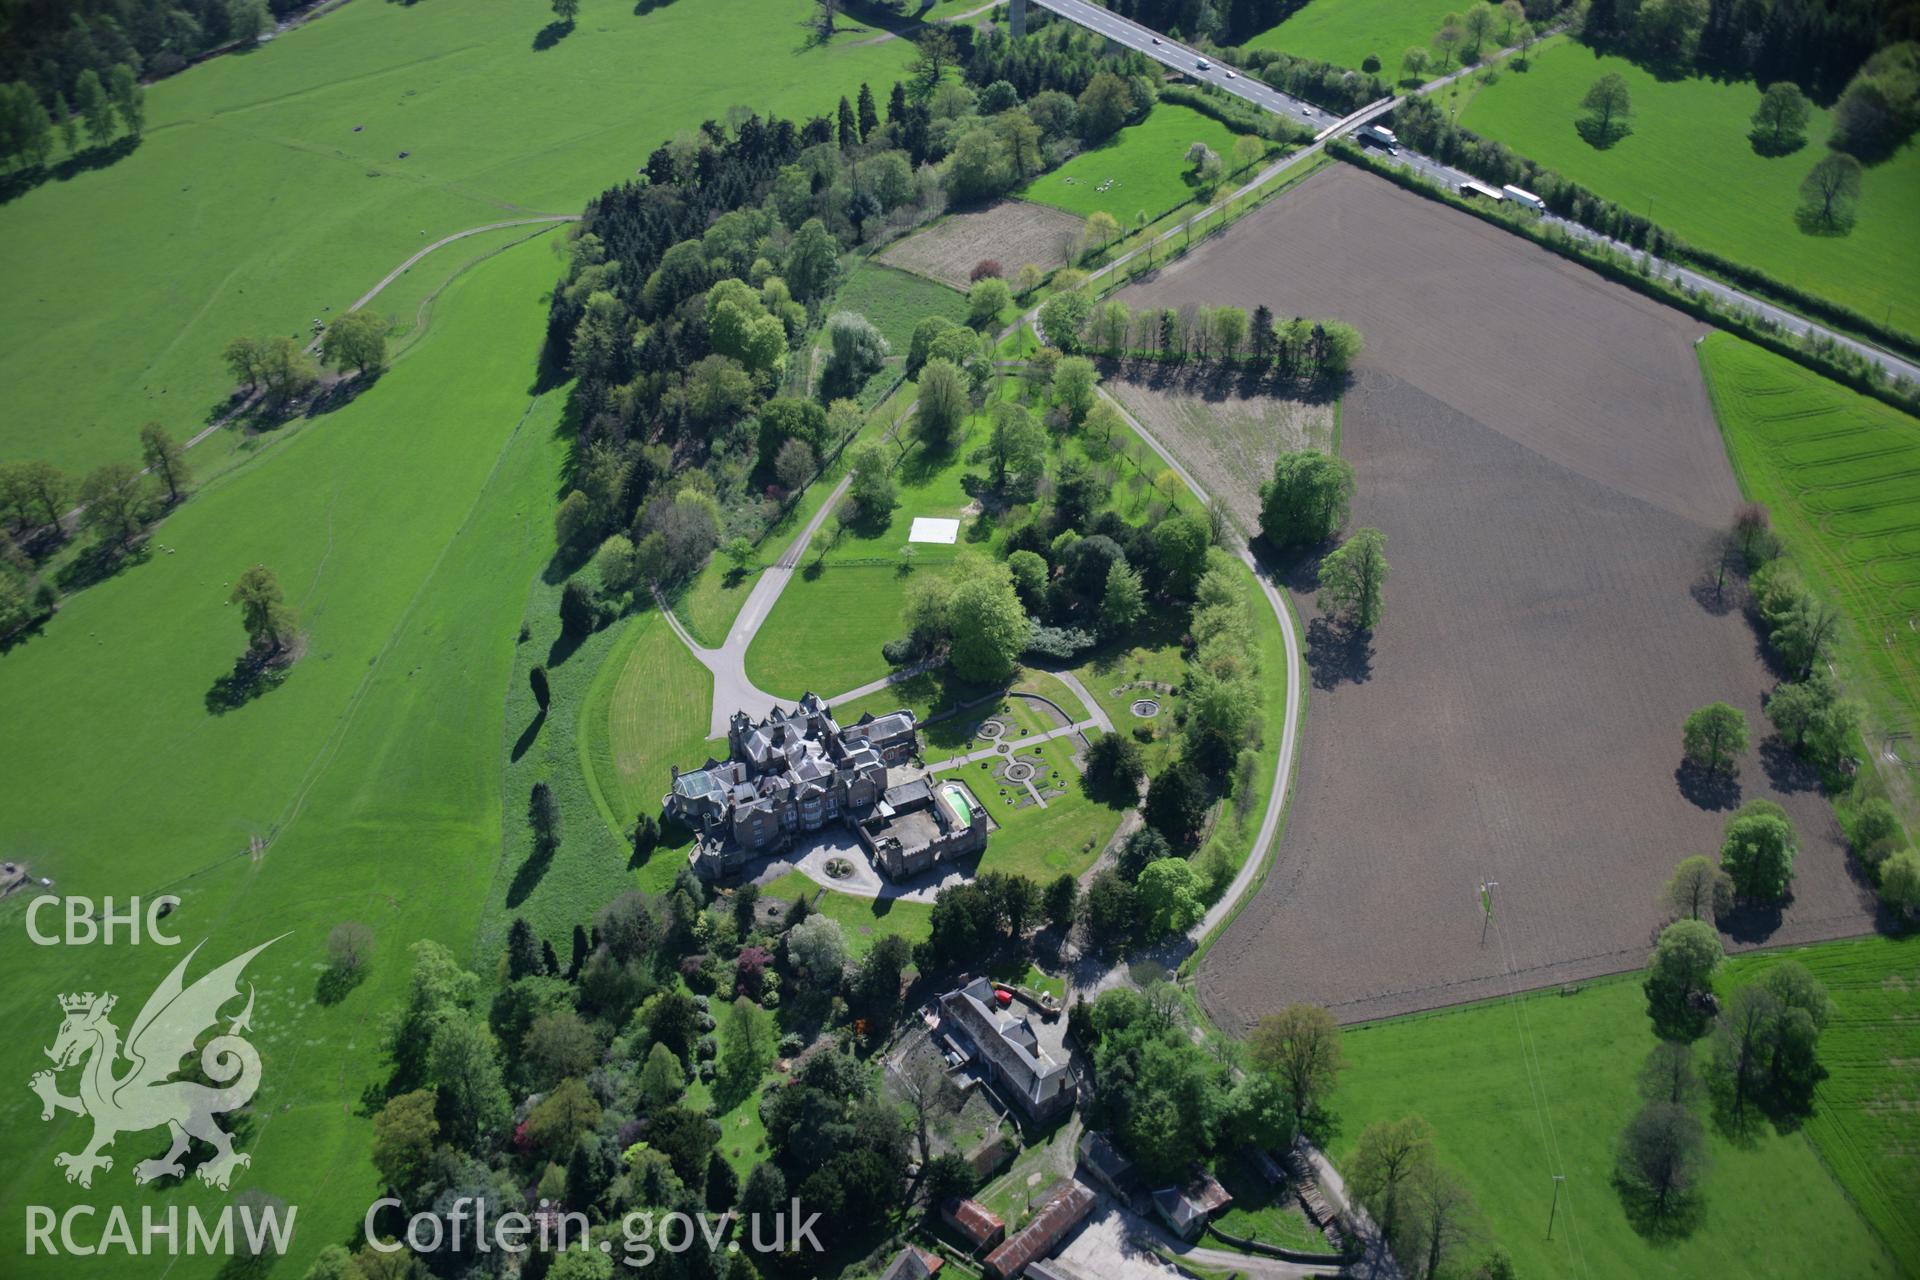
x,y
1011,232
1538,447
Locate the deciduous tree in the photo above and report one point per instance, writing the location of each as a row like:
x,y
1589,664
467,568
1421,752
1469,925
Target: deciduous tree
x,y
129,99
1105,105
165,458
817,947
1662,1154
268,619
1780,121
404,1133
112,504
95,108
988,624
1608,106
1353,576
1828,192
1758,850
793,466
1698,890
1306,501
1385,1158
1168,899
1300,1046
1714,738
1123,600
943,403
1679,971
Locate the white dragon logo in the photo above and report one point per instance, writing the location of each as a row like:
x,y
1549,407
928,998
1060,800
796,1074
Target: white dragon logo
x,y
145,1097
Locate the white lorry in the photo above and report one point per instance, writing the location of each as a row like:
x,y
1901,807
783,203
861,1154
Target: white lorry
x,y
1527,198
1375,136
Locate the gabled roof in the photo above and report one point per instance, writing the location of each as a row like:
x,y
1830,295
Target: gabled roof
x,y
973,1220
1104,1158
975,1009
912,1263
1195,1202
1060,1213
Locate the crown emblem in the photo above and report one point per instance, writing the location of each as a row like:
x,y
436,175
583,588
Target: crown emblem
x,y
82,1002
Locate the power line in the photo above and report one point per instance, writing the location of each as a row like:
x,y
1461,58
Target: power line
x,y
1536,1083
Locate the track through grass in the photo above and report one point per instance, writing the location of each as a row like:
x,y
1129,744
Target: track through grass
x,y
272,188
372,772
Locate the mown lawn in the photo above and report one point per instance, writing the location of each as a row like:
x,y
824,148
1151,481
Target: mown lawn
x,y
896,301
1840,473
1344,32
1519,1090
1146,164
269,188
743,1137
863,920
1688,162
373,773
643,709
825,632
1041,843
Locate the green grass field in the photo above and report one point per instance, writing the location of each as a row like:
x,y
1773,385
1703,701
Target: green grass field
x,y
1841,474
1520,1090
825,632
1867,1122
1688,162
863,920
896,301
1041,843
1344,32
373,772
1146,162
649,705
269,187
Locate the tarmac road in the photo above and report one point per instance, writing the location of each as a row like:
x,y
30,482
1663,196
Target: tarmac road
x,y
1165,50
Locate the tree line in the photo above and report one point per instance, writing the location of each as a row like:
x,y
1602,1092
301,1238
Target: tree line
x,y
50,49
100,107
116,501
1812,718
1299,349
1761,1065
1817,46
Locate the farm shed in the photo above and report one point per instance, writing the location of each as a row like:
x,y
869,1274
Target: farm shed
x,y
1065,1206
978,1226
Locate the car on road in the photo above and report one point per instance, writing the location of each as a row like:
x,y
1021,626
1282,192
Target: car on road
x,y
1229,75
1204,65
1156,39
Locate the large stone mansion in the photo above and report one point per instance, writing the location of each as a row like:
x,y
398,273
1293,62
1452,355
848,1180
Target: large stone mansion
x,y
799,771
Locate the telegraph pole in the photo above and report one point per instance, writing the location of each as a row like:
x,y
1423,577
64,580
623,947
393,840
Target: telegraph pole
x,y
1558,1178
1486,907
